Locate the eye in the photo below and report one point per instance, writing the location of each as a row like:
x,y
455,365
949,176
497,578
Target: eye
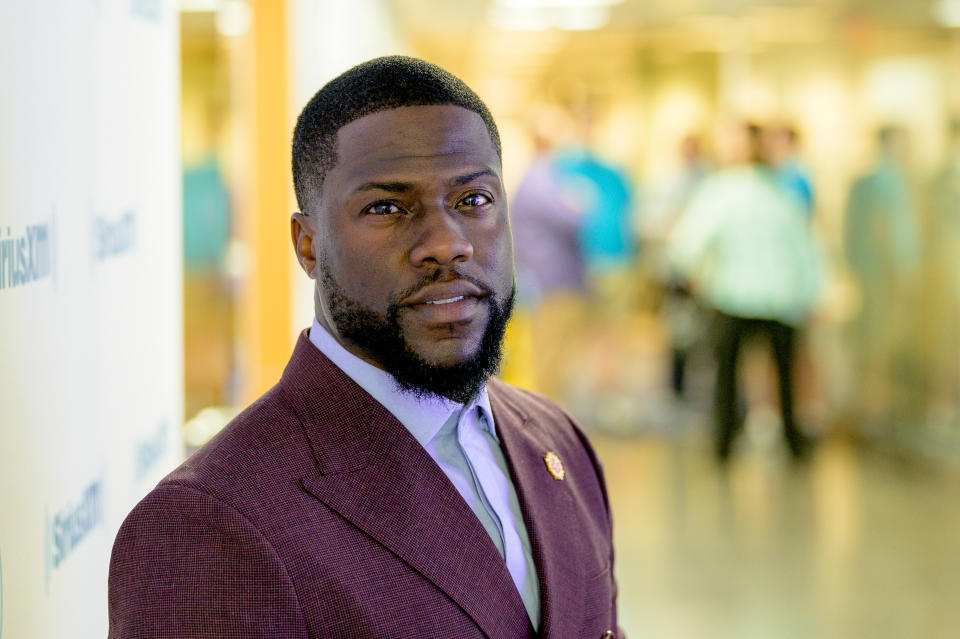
x,y
475,200
383,208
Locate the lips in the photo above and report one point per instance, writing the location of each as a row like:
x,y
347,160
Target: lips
x,y
442,293
446,302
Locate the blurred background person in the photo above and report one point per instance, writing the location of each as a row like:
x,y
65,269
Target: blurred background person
x,y
746,247
780,151
781,154
882,249
547,215
605,235
681,313
671,195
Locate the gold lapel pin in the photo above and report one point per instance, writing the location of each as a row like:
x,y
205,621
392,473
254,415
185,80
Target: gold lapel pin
x,y
554,465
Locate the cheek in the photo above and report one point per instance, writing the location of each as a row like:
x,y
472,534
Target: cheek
x,y
366,277
500,257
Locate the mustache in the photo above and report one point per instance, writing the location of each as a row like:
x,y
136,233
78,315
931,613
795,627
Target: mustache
x,y
442,274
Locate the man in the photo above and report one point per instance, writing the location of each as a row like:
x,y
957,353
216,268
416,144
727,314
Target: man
x,y
386,487
546,216
882,245
747,249
780,150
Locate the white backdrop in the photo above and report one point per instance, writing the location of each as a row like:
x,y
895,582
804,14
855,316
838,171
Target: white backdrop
x,y
90,295
325,40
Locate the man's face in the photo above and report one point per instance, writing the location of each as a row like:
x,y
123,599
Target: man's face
x,y
411,235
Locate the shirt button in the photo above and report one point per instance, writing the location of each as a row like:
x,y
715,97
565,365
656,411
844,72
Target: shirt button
x,y
609,634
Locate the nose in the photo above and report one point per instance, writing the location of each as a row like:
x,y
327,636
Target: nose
x,y
440,239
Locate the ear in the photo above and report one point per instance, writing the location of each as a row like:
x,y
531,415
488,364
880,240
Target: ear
x,y
302,232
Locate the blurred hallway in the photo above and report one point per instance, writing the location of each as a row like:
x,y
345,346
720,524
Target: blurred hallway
x,y
850,545
854,543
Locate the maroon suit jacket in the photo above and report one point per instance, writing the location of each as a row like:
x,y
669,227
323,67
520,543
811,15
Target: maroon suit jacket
x,y
315,513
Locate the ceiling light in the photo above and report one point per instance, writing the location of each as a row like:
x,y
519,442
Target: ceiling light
x,y
543,4
200,6
233,18
570,17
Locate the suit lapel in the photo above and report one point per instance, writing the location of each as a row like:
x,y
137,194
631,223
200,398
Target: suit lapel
x,y
377,476
550,517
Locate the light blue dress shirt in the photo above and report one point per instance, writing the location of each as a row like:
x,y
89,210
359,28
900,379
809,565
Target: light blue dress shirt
x,y
462,440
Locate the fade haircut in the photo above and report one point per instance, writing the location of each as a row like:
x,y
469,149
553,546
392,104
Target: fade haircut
x,y
376,85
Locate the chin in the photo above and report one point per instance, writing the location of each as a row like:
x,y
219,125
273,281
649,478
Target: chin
x,y
446,354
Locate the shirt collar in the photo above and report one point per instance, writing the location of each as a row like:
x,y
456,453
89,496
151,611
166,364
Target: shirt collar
x,y
422,416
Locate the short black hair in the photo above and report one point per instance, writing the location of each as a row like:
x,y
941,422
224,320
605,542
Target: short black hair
x,y
376,85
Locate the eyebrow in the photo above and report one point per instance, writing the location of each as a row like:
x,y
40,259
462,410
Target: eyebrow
x,y
393,187
404,187
460,180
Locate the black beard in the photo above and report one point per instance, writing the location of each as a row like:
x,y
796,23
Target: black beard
x,y
381,337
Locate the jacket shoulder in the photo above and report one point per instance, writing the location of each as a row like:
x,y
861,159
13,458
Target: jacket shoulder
x,y
264,444
178,535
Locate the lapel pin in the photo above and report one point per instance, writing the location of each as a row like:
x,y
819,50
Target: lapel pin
x,y
554,465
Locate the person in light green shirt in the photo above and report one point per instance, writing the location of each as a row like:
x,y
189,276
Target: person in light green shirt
x,y
747,248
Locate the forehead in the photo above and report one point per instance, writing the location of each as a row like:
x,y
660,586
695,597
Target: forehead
x,y
407,141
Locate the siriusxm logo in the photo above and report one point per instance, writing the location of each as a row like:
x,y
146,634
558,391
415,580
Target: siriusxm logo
x,y
149,450
71,524
114,237
26,258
